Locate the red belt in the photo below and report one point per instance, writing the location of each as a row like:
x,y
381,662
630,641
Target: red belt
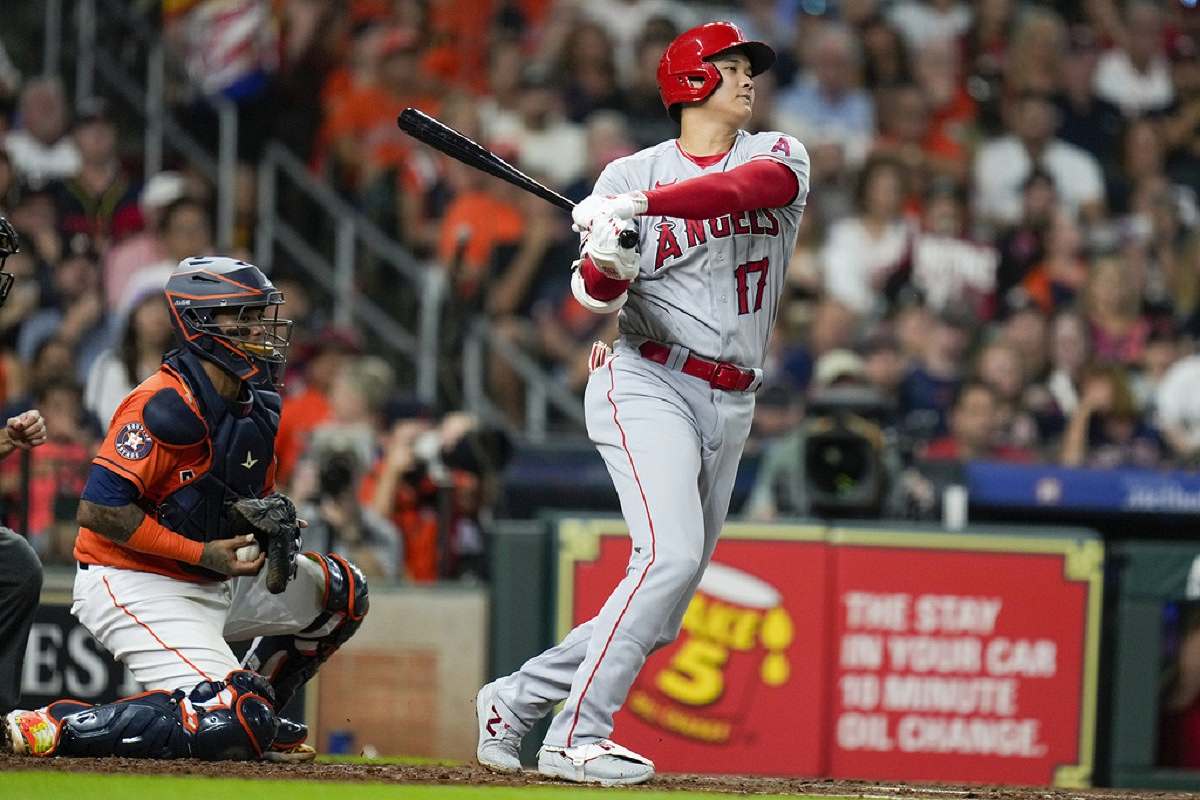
x,y
717,374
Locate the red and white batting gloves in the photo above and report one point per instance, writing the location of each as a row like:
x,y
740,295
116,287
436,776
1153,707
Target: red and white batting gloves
x,y
600,207
602,244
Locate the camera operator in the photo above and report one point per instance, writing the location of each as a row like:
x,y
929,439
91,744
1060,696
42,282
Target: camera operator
x,y
434,483
840,460
337,521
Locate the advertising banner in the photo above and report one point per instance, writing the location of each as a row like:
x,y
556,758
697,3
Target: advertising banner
x,y
963,657
845,653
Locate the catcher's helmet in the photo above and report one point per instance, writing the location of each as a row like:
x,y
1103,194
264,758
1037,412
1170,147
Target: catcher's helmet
x,y
9,243
685,61
251,346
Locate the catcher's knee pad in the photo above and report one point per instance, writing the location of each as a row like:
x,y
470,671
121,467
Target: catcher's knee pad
x,y
229,719
291,660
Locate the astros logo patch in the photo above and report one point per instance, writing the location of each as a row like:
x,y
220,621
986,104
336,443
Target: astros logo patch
x,y
133,442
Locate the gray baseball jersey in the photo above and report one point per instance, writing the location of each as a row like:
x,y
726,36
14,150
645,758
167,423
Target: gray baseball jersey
x,y
671,441
710,285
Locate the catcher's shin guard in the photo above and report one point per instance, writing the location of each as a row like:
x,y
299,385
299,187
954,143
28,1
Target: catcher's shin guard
x,y
289,661
216,720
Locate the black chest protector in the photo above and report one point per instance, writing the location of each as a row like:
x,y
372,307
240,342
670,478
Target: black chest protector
x,y
241,442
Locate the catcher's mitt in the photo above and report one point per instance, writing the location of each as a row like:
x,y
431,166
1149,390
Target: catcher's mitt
x,y
272,520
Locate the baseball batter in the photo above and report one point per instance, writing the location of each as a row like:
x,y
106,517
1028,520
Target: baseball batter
x,y
716,212
180,500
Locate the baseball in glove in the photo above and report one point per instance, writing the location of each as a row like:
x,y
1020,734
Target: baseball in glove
x,y
272,520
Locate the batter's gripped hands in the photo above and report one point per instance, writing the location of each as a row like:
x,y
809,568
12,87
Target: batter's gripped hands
x,y
595,208
603,246
221,556
26,430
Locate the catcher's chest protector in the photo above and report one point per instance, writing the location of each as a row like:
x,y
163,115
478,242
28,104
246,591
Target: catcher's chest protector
x,y
242,450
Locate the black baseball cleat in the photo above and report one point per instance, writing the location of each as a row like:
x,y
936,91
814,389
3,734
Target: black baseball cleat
x,y
289,746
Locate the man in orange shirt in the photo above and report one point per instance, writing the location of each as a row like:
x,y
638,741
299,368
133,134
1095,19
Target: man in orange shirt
x,y
157,546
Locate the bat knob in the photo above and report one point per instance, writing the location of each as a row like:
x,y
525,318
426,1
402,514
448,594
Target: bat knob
x,y
628,239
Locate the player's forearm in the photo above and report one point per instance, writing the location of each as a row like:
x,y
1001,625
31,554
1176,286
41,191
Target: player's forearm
x,y
118,523
6,444
128,525
762,183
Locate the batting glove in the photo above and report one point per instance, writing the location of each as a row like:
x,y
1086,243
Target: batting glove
x,y
597,207
603,246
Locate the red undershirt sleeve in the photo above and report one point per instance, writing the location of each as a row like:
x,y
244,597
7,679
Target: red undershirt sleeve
x,y
598,285
761,183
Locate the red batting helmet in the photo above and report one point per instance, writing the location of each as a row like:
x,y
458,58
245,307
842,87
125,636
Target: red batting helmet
x,y
685,61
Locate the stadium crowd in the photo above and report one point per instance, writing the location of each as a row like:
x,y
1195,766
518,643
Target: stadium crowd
x,y
1003,235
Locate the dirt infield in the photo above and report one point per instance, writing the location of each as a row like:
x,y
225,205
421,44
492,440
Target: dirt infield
x,y
475,776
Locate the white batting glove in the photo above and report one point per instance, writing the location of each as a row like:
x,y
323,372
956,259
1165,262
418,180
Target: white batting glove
x,y
596,207
602,245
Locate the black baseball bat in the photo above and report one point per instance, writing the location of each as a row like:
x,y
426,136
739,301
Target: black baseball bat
x,y
445,139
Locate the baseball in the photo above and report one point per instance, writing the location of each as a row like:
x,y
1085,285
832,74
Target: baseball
x,y
249,552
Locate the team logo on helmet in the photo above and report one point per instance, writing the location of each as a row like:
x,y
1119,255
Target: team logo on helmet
x,y
134,442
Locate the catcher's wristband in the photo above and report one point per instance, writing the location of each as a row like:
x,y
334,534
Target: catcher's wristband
x,y
158,540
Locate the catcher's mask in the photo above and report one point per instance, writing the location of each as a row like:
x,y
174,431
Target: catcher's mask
x,y
9,243
227,311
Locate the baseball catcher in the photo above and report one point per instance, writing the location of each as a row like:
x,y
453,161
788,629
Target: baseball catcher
x,y
177,520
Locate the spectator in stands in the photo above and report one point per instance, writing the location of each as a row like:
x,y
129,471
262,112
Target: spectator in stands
x,y
40,149
1181,124
648,124
1022,246
75,312
483,215
1035,57
826,108
948,270
360,123
99,200
526,274
986,54
184,229
1112,304
885,57
883,364
908,136
1070,352
307,404
973,430
432,483
1143,158
58,469
140,338
864,255
338,522
1135,75
1003,164
924,21
928,390
1177,406
1106,430
545,141
999,367
1025,331
1056,280
937,69
144,248
587,63
1086,120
